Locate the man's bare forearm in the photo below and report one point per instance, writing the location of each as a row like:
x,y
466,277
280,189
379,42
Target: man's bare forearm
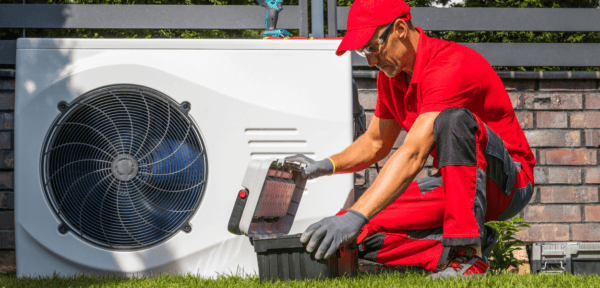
x,y
394,179
363,153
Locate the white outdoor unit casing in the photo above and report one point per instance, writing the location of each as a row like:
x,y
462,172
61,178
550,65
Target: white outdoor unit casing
x,y
250,99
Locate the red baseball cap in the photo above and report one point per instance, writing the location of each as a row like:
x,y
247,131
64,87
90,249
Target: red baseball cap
x,y
364,18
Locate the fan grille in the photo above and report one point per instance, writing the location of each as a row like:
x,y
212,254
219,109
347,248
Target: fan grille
x,y
124,167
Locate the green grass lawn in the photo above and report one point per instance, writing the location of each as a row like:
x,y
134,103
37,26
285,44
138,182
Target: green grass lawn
x,y
396,279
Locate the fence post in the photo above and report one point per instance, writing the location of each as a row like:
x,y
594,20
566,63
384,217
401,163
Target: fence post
x,y
304,16
23,28
332,18
318,25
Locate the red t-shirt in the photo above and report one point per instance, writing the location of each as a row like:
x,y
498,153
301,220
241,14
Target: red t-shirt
x,y
447,74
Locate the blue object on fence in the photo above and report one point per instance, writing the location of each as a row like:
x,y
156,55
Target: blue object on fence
x,y
273,8
276,33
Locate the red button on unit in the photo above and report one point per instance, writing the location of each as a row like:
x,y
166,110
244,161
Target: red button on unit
x,y
243,194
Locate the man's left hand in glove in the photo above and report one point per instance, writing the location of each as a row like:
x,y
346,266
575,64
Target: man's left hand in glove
x,y
335,231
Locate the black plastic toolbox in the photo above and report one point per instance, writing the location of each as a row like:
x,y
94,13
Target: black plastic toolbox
x,y
285,258
560,257
265,209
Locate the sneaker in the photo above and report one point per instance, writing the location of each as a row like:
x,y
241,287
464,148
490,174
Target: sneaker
x,y
462,262
489,241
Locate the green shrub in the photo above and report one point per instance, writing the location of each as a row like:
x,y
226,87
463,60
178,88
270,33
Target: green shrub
x,y
502,257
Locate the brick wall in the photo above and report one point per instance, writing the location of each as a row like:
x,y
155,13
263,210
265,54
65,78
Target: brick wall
x,y
7,106
561,120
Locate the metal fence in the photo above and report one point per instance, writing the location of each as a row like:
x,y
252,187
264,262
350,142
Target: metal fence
x,y
296,17
142,17
504,19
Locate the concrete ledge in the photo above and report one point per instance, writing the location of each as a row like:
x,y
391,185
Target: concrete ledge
x,y
10,73
513,74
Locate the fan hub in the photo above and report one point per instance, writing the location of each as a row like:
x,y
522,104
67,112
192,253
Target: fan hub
x,y
125,167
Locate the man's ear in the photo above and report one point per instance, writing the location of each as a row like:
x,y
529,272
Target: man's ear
x,y
401,29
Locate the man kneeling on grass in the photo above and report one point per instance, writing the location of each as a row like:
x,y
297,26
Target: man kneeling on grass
x,y
455,108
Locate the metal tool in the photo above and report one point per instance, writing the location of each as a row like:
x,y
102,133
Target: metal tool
x,y
273,8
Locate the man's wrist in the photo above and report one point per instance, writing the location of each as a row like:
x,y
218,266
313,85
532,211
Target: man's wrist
x,y
333,164
358,214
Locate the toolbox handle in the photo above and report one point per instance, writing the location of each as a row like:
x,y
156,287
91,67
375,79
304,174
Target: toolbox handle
x,y
559,261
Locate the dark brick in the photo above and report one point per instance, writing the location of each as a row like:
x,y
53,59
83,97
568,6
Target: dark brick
x,y
551,120
7,200
555,175
592,138
359,178
567,85
540,174
5,140
7,257
544,232
553,101
433,171
525,119
7,84
366,83
6,180
401,136
372,175
592,101
429,161
422,174
400,139
8,239
515,99
7,220
367,98
568,194
7,100
568,157
519,85
553,138
534,195
7,159
552,213
384,160
592,213
592,175
8,121
585,232
368,117
585,120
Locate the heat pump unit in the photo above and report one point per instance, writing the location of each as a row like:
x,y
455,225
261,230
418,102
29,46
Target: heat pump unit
x,y
130,153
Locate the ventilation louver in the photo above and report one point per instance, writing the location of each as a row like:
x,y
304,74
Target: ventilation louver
x,y
124,167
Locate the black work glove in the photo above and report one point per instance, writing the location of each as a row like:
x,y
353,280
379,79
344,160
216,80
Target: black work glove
x,y
335,231
314,168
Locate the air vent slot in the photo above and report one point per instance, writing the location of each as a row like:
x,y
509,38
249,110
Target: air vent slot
x,y
265,143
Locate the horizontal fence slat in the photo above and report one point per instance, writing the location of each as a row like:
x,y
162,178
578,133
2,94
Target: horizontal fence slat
x,y
529,54
144,16
498,19
8,52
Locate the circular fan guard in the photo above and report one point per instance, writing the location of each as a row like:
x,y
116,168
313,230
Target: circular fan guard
x,y
124,167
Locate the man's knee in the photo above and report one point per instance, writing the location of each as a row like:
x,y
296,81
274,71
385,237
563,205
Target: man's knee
x,y
454,131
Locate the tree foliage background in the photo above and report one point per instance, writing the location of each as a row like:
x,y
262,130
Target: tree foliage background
x,y
458,36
